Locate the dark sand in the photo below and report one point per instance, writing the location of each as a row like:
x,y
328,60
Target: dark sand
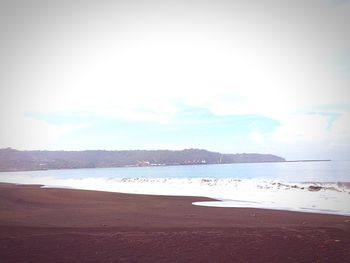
x,y
61,225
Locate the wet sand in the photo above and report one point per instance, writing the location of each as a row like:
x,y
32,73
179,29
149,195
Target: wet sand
x,y
63,225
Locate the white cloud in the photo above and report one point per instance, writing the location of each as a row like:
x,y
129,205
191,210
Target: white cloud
x,y
23,132
341,127
145,62
303,128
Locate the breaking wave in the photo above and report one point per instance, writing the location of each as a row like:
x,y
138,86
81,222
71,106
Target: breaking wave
x,y
319,197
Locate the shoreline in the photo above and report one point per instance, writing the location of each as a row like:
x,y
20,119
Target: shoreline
x,y
310,197
69,225
31,191
216,202
160,165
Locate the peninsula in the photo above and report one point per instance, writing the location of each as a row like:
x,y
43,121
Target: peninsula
x,y
15,160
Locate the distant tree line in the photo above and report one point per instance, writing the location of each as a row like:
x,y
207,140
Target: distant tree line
x,y
15,160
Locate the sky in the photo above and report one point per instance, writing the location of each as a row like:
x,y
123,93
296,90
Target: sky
x,y
229,76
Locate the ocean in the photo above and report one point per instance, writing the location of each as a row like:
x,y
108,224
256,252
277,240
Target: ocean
x,y
317,187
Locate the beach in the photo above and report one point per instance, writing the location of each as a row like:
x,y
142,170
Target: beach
x,y
66,225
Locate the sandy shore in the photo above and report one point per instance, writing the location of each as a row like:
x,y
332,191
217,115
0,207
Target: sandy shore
x,y
62,225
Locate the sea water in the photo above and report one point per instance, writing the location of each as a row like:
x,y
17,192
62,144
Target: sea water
x,y
321,187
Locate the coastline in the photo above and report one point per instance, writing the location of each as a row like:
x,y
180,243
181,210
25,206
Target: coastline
x,y
157,165
37,224
313,197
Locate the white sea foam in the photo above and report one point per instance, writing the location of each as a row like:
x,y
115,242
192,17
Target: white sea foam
x,y
323,197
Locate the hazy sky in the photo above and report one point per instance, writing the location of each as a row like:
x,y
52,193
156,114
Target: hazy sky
x,y
229,76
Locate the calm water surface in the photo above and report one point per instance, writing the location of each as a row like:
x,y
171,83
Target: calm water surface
x,y
332,171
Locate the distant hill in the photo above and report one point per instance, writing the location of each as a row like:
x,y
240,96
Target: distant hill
x,y
15,160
